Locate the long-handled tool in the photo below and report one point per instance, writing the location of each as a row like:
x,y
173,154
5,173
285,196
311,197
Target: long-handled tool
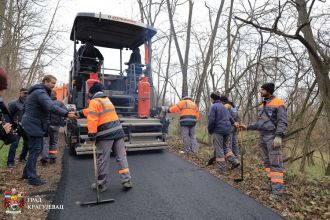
x,y
98,201
242,155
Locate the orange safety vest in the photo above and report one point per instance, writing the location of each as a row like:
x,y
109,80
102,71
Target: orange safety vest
x,y
101,111
185,108
275,103
188,112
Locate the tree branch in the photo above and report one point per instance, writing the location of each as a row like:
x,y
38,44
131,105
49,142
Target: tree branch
x,y
301,27
310,8
281,33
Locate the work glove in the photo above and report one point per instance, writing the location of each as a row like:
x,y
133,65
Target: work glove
x,y
165,109
92,136
80,114
277,142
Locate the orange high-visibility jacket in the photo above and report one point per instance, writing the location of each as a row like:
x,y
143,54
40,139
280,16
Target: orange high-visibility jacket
x,y
102,118
188,111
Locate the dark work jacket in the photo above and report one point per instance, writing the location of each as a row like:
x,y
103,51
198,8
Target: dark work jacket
x,y
219,121
91,52
272,117
235,116
55,119
135,58
16,108
38,106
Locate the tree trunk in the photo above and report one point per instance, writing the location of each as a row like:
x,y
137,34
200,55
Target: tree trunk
x,y
321,69
307,139
208,56
229,49
3,4
167,68
183,62
327,171
7,38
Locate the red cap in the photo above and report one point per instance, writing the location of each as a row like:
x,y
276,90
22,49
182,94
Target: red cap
x,y
3,79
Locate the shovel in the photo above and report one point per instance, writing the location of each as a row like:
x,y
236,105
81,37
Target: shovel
x,y
98,201
242,155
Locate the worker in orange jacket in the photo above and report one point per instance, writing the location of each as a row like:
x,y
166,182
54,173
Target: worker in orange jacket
x,y
104,127
189,115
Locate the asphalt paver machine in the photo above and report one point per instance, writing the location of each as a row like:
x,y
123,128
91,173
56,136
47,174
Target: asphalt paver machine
x,y
129,87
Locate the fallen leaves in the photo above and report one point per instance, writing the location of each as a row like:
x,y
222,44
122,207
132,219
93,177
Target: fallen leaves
x,y
11,178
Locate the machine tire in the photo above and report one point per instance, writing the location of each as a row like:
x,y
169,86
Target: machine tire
x,y
71,146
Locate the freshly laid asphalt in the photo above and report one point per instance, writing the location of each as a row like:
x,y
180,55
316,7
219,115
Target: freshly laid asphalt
x,y
165,187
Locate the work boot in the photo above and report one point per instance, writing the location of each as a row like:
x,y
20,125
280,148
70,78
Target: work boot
x,y
222,166
275,197
26,177
36,182
23,160
266,187
52,160
127,185
102,188
10,166
44,162
233,161
235,164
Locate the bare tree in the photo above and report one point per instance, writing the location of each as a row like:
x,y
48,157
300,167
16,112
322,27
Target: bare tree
x,y
183,62
229,48
318,56
27,41
208,55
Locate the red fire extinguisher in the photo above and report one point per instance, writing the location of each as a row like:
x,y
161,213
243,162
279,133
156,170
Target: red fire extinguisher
x,y
143,97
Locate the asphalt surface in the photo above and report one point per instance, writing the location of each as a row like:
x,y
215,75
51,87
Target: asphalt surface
x,y
165,187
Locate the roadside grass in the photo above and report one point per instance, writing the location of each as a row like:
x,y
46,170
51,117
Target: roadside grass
x,y
201,129
311,171
4,152
173,127
250,142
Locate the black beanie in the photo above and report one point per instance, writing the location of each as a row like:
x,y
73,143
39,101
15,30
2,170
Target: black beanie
x,y
23,90
269,87
224,99
215,95
97,87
